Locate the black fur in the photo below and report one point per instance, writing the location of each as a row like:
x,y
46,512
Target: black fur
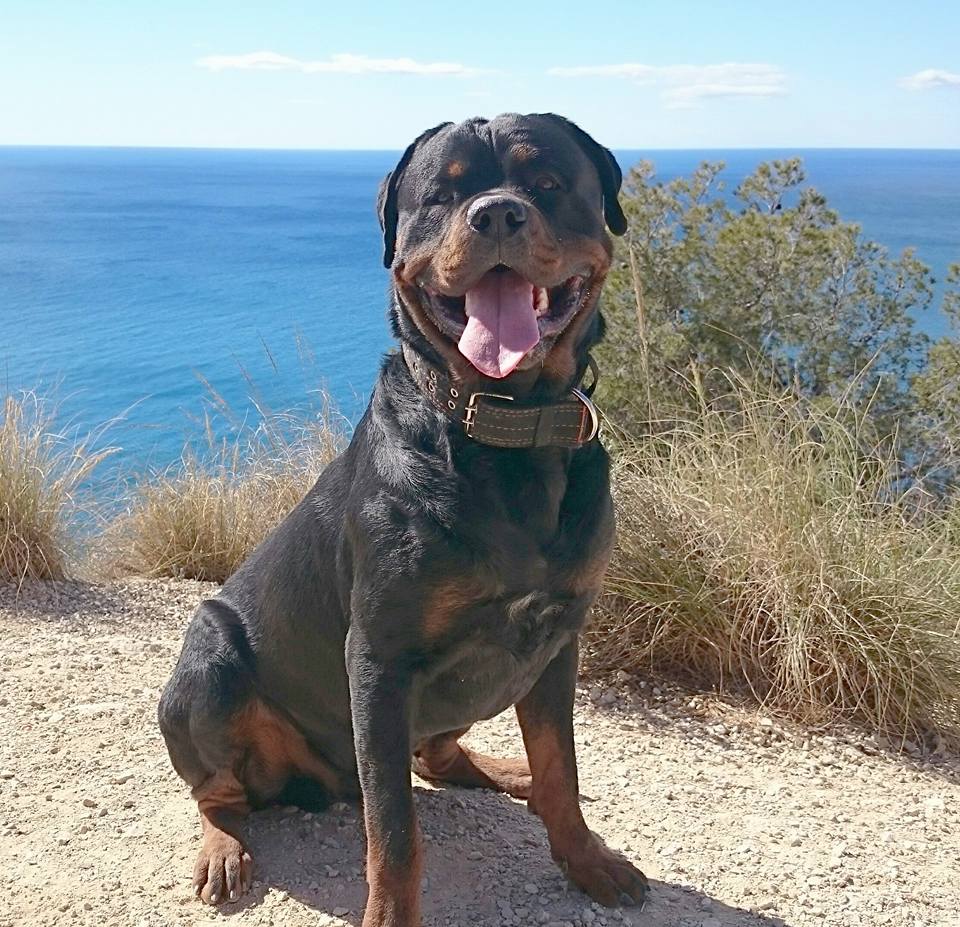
x,y
329,621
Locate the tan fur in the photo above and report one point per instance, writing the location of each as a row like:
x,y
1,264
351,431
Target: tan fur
x,y
394,892
524,152
276,750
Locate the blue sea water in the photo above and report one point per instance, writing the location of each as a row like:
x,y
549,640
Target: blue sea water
x,y
127,276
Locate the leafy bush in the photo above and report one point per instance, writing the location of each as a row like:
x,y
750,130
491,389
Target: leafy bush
x,y
769,279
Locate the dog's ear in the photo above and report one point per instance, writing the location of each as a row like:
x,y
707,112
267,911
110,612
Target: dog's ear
x,y
387,197
606,166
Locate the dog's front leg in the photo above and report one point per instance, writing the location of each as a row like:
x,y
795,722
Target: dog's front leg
x,y
379,699
546,720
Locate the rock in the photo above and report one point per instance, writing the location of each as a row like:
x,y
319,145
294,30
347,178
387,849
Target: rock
x,y
933,808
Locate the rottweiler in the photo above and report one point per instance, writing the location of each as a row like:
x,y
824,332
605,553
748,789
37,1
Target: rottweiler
x,y
442,567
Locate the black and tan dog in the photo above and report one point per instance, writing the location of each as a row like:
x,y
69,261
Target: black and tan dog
x,y
441,568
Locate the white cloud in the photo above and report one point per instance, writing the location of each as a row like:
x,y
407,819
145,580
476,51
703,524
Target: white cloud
x,y
685,85
335,64
931,77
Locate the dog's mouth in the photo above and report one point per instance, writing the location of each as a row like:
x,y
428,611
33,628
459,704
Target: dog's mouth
x,y
504,316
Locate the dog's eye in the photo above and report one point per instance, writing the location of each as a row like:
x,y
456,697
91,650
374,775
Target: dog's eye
x,y
547,183
440,198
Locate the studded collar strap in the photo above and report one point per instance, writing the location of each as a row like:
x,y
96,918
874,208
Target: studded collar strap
x,y
500,420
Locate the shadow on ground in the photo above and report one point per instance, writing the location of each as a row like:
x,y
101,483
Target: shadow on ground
x,y
487,863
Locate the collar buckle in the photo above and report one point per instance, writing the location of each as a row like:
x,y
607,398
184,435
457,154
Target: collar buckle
x,y
470,411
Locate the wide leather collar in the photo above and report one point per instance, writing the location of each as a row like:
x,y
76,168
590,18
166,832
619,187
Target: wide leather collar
x,y
501,421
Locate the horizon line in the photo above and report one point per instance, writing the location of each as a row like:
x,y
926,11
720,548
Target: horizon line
x,y
251,148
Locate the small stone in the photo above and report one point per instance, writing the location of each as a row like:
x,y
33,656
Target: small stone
x,y
122,778
6,774
530,888
89,803
341,912
934,808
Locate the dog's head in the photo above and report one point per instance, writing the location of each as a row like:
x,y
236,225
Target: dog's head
x,y
494,232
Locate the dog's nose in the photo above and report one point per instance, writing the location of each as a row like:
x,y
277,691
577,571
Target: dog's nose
x,y
497,215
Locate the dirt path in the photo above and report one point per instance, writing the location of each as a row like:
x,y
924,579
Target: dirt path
x,y
735,823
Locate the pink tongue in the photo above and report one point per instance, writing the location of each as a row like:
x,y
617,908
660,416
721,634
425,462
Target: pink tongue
x,y
501,323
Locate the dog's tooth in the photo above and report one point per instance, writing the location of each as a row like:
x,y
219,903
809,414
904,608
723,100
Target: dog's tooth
x,y
543,300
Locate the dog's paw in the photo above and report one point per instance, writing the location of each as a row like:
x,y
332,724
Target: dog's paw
x,y
607,877
224,870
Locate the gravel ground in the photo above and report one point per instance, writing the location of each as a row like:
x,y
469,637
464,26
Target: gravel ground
x,y
737,820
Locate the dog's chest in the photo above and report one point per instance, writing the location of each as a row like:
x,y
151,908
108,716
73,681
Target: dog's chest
x,y
494,666
538,541
506,619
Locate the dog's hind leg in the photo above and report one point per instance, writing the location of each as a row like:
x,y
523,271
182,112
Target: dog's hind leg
x,y
442,759
209,688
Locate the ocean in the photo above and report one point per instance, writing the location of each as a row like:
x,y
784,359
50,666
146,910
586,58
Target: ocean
x,y
132,281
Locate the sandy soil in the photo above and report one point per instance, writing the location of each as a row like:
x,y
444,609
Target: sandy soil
x,y
737,820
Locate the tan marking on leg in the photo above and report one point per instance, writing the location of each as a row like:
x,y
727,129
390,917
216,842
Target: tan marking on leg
x,y
604,875
443,759
394,889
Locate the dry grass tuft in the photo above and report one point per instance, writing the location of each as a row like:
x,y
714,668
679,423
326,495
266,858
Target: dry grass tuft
x,y
40,473
760,546
202,518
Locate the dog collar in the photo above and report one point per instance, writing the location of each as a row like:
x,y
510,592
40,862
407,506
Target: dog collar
x,y
500,420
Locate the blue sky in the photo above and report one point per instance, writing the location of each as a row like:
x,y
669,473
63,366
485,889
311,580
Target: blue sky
x,y
361,75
